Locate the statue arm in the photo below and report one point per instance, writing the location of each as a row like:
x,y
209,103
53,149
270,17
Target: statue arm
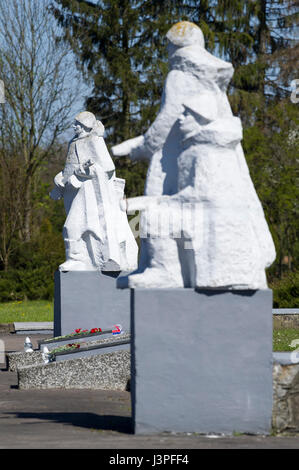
x,y
143,146
177,87
132,147
142,203
226,132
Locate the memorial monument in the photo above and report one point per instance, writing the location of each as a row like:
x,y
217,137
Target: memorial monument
x,y
99,243
200,301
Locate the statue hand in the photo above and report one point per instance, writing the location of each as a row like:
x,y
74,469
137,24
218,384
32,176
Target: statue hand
x,y
58,180
83,170
87,164
75,182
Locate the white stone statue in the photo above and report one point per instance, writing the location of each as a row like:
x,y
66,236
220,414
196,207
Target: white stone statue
x,y
28,345
96,232
46,355
199,180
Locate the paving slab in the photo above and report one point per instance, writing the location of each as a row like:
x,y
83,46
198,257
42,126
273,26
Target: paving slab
x,y
34,327
14,342
94,419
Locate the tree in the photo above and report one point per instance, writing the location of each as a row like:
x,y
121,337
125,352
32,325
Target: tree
x,y
258,37
271,149
120,46
37,71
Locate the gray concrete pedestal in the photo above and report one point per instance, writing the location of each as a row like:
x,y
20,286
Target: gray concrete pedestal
x,y
201,361
89,299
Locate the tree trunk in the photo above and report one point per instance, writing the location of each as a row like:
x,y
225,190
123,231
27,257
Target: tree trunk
x,y
27,211
125,88
5,261
262,43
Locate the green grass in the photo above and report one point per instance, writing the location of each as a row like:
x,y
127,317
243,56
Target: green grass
x,y
283,337
26,311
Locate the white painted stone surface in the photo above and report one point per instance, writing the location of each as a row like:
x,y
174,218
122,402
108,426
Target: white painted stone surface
x,y
96,232
198,177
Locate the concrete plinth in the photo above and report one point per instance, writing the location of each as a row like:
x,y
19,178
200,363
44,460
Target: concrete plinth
x,y
89,299
201,361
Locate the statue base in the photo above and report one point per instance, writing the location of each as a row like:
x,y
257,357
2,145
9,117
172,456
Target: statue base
x,y
201,361
89,299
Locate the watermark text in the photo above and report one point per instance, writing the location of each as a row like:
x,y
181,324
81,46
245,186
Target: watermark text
x,y
2,92
295,91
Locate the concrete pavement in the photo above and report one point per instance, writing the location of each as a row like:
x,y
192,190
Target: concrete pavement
x,y
93,419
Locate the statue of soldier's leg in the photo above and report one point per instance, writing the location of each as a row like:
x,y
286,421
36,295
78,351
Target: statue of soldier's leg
x,y
77,255
162,267
159,264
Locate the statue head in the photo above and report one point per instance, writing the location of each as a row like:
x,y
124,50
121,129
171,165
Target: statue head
x,y
184,34
86,122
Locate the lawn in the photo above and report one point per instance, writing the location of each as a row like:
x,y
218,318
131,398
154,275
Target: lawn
x,y
26,311
283,337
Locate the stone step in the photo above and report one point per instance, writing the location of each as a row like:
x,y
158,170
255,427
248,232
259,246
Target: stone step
x,y
286,358
16,360
108,371
33,327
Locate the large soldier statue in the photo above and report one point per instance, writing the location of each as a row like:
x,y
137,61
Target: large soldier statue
x,y
198,172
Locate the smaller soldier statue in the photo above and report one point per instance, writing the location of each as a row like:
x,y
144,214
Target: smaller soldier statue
x,y
96,232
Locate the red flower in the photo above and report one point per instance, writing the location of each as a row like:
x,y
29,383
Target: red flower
x,y
95,330
73,344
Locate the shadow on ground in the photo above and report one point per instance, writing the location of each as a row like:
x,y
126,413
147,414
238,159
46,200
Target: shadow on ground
x,y
85,420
